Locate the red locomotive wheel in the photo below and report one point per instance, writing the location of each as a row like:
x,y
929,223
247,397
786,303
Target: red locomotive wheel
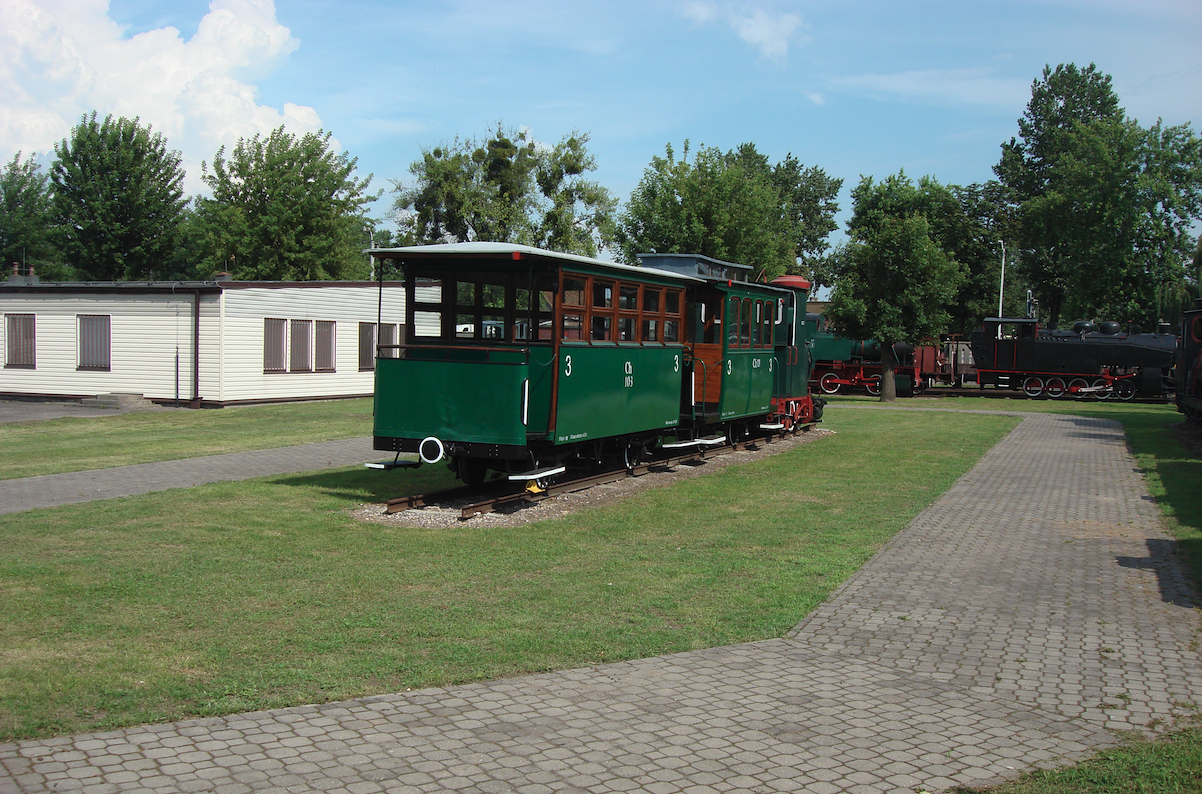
x,y
1076,385
873,384
829,383
1054,387
1033,386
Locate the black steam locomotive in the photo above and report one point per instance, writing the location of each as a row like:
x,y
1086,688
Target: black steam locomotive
x,y
1100,361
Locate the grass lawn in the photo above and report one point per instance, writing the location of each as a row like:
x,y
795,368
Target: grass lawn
x,y
260,594
76,444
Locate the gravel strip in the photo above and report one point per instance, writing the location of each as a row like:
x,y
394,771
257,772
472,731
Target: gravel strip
x,y
447,514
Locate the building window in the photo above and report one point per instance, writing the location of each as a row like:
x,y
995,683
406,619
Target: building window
x,y
367,347
324,349
275,345
94,342
300,358
20,337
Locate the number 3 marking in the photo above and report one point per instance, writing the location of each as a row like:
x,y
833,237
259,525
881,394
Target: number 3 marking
x,y
676,363
729,365
567,370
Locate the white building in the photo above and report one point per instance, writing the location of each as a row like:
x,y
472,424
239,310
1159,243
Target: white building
x,y
203,343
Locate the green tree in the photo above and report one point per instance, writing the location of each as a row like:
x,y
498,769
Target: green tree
x,y
507,189
27,219
974,235
284,208
734,206
118,198
894,278
1106,207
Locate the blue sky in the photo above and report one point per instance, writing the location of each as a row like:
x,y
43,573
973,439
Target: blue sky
x,y
860,87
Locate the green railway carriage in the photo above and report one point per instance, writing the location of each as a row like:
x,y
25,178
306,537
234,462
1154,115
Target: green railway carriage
x,y
521,361
518,359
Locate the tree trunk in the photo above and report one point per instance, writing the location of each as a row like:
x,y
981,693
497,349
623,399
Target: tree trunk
x,y
888,381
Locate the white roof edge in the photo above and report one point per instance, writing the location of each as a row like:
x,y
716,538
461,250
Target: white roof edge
x,y
508,248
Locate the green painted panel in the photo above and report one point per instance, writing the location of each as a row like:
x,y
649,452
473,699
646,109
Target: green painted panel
x,y
469,401
614,390
747,383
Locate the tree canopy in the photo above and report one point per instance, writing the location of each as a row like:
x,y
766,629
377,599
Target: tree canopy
x,y
118,198
734,206
894,277
284,208
26,215
1105,206
507,188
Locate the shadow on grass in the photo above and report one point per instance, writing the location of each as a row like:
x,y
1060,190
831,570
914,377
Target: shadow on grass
x,y
372,485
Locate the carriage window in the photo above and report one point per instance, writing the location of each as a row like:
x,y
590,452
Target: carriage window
x,y
759,321
651,297
732,324
521,329
650,331
767,337
628,297
465,292
1198,329
626,329
671,330
603,296
573,327
602,326
493,327
745,324
494,296
573,291
465,326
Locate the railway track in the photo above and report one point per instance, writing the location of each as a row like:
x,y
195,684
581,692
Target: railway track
x,y
499,494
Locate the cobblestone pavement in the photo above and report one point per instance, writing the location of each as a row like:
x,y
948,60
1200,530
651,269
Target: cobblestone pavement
x,y
1018,621
74,487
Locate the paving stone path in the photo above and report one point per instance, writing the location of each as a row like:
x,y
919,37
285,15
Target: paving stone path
x,y
50,490
1029,616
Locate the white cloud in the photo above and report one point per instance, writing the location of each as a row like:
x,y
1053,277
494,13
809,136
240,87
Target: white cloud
x,y
768,30
975,86
60,59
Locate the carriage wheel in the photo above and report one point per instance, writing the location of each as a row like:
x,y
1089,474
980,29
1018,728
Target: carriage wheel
x,y
829,383
1076,385
1054,387
1102,395
873,384
472,471
1033,386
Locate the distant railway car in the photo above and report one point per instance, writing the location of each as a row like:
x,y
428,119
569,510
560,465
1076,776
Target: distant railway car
x,y
1189,364
524,361
842,364
1102,362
